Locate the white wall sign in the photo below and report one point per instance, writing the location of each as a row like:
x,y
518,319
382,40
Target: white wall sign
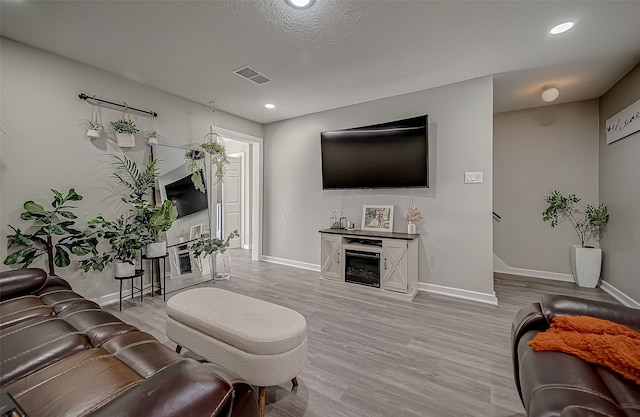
x,y
623,124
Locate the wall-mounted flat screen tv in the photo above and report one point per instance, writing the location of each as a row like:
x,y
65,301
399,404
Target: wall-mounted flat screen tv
x,y
184,195
387,155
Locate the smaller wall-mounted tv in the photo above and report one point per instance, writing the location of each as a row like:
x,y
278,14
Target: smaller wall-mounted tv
x,y
387,155
184,195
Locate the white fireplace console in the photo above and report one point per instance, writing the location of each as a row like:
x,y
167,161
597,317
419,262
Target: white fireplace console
x,y
390,260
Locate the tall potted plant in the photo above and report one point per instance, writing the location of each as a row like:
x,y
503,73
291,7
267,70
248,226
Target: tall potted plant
x,y
586,261
58,224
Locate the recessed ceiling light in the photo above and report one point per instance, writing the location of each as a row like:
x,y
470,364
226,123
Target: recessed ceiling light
x,y
550,94
270,106
300,4
561,28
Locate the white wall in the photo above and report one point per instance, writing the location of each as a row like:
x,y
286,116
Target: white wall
x,y
45,147
536,151
619,190
456,244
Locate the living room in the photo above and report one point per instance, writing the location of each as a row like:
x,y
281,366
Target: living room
x,y
44,147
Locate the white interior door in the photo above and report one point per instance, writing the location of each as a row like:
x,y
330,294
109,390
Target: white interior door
x,y
232,201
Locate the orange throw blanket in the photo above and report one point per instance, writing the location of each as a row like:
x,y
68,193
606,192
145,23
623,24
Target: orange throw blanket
x,y
597,341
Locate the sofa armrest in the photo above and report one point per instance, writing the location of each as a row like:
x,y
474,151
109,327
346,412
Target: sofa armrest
x,y
21,281
556,305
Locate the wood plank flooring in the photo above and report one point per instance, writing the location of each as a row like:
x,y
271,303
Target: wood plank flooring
x,y
378,357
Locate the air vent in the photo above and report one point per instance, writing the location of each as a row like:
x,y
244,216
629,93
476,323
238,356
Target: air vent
x,y
252,75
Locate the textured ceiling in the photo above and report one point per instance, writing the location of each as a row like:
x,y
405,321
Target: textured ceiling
x,y
338,53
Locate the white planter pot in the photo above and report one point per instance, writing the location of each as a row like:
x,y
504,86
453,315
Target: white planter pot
x,y
585,265
411,228
152,140
125,140
157,249
124,269
93,133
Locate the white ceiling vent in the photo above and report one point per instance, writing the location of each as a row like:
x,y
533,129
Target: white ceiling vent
x,y
252,75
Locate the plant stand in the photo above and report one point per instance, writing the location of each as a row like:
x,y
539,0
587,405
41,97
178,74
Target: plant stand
x,y
585,265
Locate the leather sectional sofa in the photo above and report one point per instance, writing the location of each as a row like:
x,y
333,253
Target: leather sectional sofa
x,y
552,383
62,355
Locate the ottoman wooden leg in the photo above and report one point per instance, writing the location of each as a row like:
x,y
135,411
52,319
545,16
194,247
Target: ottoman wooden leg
x,y
261,399
178,349
294,381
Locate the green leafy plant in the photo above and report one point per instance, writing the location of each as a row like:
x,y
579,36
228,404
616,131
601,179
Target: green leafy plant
x,y
125,237
152,134
58,222
208,245
562,208
194,161
138,181
156,219
219,158
92,124
124,125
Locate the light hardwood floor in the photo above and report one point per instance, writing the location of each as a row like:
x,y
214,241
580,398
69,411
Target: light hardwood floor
x,y
378,357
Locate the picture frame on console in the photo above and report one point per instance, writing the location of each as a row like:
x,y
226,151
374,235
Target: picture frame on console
x,y
195,231
377,218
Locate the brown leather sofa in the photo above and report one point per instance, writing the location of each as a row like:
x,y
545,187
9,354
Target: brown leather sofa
x,y
62,355
558,384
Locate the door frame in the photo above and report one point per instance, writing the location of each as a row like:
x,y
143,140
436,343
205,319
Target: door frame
x,y
257,190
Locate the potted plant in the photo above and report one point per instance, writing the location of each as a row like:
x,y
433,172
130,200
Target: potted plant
x,y
125,130
152,137
93,128
219,159
412,216
137,181
222,261
56,223
586,261
125,237
156,219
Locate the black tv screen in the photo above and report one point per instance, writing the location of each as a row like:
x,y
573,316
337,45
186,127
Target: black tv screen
x,y
387,155
184,195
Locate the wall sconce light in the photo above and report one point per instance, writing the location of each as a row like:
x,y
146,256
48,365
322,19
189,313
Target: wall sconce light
x,y
550,94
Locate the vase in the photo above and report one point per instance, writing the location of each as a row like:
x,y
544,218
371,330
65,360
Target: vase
x,y
222,266
93,133
125,140
156,249
124,269
585,265
411,228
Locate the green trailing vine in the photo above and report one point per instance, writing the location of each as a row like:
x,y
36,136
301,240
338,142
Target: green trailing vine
x,y
219,158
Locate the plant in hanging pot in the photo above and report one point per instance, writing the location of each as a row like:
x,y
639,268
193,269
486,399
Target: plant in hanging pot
x,y
586,261
194,161
412,216
222,261
125,237
219,159
152,137
93,128
125,130
57,223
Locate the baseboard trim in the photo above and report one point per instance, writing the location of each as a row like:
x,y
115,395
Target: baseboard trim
x,y
246,246
502,268
105,300
479,297
623,298
289,262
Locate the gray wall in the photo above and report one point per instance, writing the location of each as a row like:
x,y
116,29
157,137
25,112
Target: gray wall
x,y
45,146
620,191
535,152
456,242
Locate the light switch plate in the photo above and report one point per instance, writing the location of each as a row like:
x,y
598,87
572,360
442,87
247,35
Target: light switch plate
x,y
473,177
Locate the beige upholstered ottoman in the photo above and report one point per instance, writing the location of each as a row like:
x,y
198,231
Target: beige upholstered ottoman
x,y
264,343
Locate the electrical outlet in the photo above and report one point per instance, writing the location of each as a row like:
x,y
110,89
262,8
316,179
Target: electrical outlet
x,y
473,177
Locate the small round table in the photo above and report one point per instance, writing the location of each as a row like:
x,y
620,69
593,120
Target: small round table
x,y
139,273
162,286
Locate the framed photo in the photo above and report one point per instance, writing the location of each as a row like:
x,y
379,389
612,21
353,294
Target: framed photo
x,y
195,232
377,218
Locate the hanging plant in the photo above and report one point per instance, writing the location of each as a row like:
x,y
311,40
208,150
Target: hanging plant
x,y
93,125
194,160
152,135
125,128
219,159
